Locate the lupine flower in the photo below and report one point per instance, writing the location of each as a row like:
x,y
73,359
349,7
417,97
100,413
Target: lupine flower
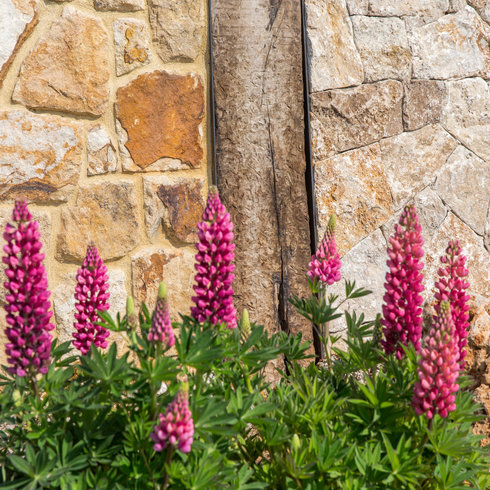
x,y
434,392
325,264
161,326
451,286
27,307
175,427
402,312
91,293
214,265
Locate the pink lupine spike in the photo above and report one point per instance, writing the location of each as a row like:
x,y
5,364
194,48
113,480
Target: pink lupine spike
x,y
27,307
214,265
402,312
91,294
438,371
161,326
451,287
175,427
325,264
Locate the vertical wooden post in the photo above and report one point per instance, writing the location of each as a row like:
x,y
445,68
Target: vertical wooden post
x,y
260,139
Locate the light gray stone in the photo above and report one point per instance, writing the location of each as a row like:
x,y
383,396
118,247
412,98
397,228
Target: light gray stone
x,y
454,46
101,154
119,5
466,114
464,185
352,185
132,43
412,159
354,117
482,7
455,5
335,61
17,19
358,7
430,9
383,46
422,103
178,28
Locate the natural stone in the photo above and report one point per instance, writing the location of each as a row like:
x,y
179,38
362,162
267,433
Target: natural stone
x,y
321,146
101,154
464,184
411,160
479,333
67,70
466,114
383,46
454,46
119,5
366,264
178,28
64,301
482,7
455,5
160,119
174,266
482,395
178,203
44,220
17,20
358,7
359,116
132,42
335,61
39,155
429,9
422,103
105,213
352,185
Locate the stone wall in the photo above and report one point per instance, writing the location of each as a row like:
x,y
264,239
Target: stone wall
x,y
400,112
103,129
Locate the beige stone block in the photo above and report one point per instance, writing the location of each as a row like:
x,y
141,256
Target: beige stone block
x,y
105,213
353,185
67,70
40,156
482,7
354,117
178,28
17,20
383,45
119,5
159,122
335,61
422,103
101,154
177,203
358,7
427,9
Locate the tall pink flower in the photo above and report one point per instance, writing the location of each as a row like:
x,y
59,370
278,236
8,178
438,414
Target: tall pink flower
x,y
91,293
434,392
27,297
402,312
451,287
161,325
214,265
325,264
175,427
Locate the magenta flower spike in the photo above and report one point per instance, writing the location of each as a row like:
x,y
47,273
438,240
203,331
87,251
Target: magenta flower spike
x,y
175,427
214,265
451,287
438,370
402,311
325,264
27,298
161,326
91,294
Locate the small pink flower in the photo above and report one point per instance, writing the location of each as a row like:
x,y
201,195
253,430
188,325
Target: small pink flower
x,y
27,297
325,264
451,287
402,312
175,427
161,325
91,293
214,265
434,392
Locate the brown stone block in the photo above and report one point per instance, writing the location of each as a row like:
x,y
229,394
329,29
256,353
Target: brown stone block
x,y
422,103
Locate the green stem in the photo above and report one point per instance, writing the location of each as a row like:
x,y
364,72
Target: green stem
x,y
167,465
148,467
247,379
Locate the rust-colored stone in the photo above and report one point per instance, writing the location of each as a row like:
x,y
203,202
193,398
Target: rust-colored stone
x,y
160,118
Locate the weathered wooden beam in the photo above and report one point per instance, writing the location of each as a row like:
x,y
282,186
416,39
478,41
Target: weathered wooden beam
x,y
260,143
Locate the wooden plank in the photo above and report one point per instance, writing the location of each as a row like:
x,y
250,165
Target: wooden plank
x,y
261,160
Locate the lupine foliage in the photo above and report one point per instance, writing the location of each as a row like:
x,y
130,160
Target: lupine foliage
x,y
110,420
